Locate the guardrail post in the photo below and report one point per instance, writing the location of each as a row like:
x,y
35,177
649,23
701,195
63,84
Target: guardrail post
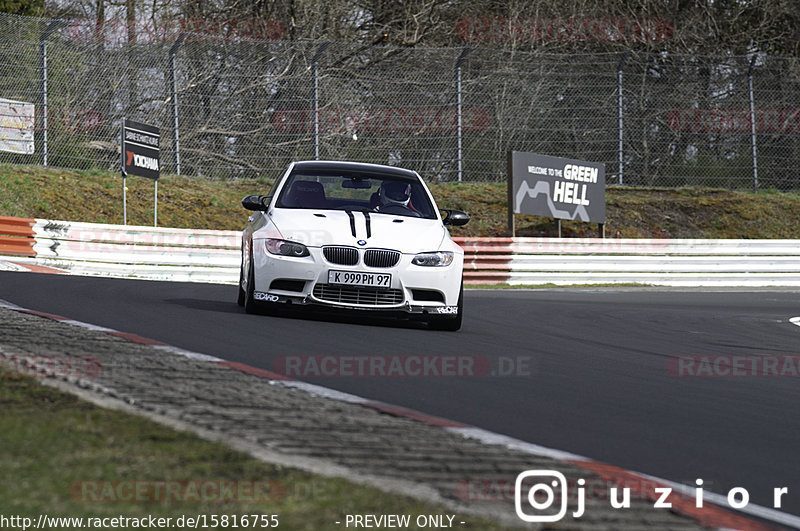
x,y
510,191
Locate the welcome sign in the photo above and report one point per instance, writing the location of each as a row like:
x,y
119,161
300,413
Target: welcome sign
x,y
557,187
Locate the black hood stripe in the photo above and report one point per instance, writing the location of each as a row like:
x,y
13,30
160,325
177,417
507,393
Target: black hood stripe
x,y
352,222
369,223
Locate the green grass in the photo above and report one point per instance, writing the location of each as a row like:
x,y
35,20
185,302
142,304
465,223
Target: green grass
x,y
59,452
687,212
95,196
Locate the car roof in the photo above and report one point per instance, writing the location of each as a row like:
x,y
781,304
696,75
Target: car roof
x,y
316,165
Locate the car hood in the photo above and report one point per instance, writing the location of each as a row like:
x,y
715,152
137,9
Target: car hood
x,y
316,228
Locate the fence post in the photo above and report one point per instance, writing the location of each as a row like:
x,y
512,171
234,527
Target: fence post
x,y
43,81
315,73
172,90
620,66
459,61
753,122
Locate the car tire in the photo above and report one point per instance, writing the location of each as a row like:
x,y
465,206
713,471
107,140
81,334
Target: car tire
x,y
450,324
240,298
250,304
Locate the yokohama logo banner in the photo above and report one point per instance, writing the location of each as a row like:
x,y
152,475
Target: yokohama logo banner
x,y
140,149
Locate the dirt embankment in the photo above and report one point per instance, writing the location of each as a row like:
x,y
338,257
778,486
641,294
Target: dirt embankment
x,y
96,196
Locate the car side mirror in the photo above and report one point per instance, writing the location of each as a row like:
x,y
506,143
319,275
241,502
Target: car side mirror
x,y
256,202
456,218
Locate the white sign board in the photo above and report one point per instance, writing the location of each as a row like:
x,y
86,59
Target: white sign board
x,y
16,126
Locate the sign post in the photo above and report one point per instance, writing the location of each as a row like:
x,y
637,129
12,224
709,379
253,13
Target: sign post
x,y
140,156
556,187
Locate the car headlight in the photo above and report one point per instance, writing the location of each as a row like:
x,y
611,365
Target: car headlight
x,y
285,248
437,259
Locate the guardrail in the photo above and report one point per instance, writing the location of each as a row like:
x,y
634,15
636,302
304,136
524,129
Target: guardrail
x,y
663,262
188,255
16,236
213,256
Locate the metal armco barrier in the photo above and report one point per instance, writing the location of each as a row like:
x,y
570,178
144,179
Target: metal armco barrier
x,y
213,256
123,251
16,236
661,262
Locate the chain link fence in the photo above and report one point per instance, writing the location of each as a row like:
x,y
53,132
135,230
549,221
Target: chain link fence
x,y
236,104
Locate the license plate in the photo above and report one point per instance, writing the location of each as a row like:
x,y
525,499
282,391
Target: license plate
x,y
351,278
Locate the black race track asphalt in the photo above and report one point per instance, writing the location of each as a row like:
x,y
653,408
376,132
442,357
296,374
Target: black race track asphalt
x,y
593,372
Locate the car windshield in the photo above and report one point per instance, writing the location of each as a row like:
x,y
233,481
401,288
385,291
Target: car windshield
x,y
347,190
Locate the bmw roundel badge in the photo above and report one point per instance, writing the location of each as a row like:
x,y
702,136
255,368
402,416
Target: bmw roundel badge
x,y
362,242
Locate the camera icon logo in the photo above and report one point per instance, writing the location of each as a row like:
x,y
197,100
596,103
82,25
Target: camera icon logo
x,y
537,483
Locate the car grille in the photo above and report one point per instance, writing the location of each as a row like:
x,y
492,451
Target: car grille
x,y
341,255
381,258
358,296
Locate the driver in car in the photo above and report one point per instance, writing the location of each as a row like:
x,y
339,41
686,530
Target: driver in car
x,y
394,193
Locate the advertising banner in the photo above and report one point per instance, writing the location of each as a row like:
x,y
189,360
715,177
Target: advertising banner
x,y
16,126
140,149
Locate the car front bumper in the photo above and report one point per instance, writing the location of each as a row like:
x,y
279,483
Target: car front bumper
x,y
413,289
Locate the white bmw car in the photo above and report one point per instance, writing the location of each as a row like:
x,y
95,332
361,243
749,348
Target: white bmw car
x,y
352,236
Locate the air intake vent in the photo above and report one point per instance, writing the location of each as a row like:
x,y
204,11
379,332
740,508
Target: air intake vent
x,y
358,296
381,258
286,284
427,295
341,255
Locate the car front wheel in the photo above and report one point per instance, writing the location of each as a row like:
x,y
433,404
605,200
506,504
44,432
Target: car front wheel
x,y
240,298
250,304
450,324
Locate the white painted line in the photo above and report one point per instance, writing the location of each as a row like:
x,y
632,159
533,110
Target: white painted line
x,y
187,353
323,392
489,437
8,266
9,305
88,326
795,320
752,509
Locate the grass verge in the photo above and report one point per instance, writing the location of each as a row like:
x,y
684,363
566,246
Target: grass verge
x,y
70,458
96,196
